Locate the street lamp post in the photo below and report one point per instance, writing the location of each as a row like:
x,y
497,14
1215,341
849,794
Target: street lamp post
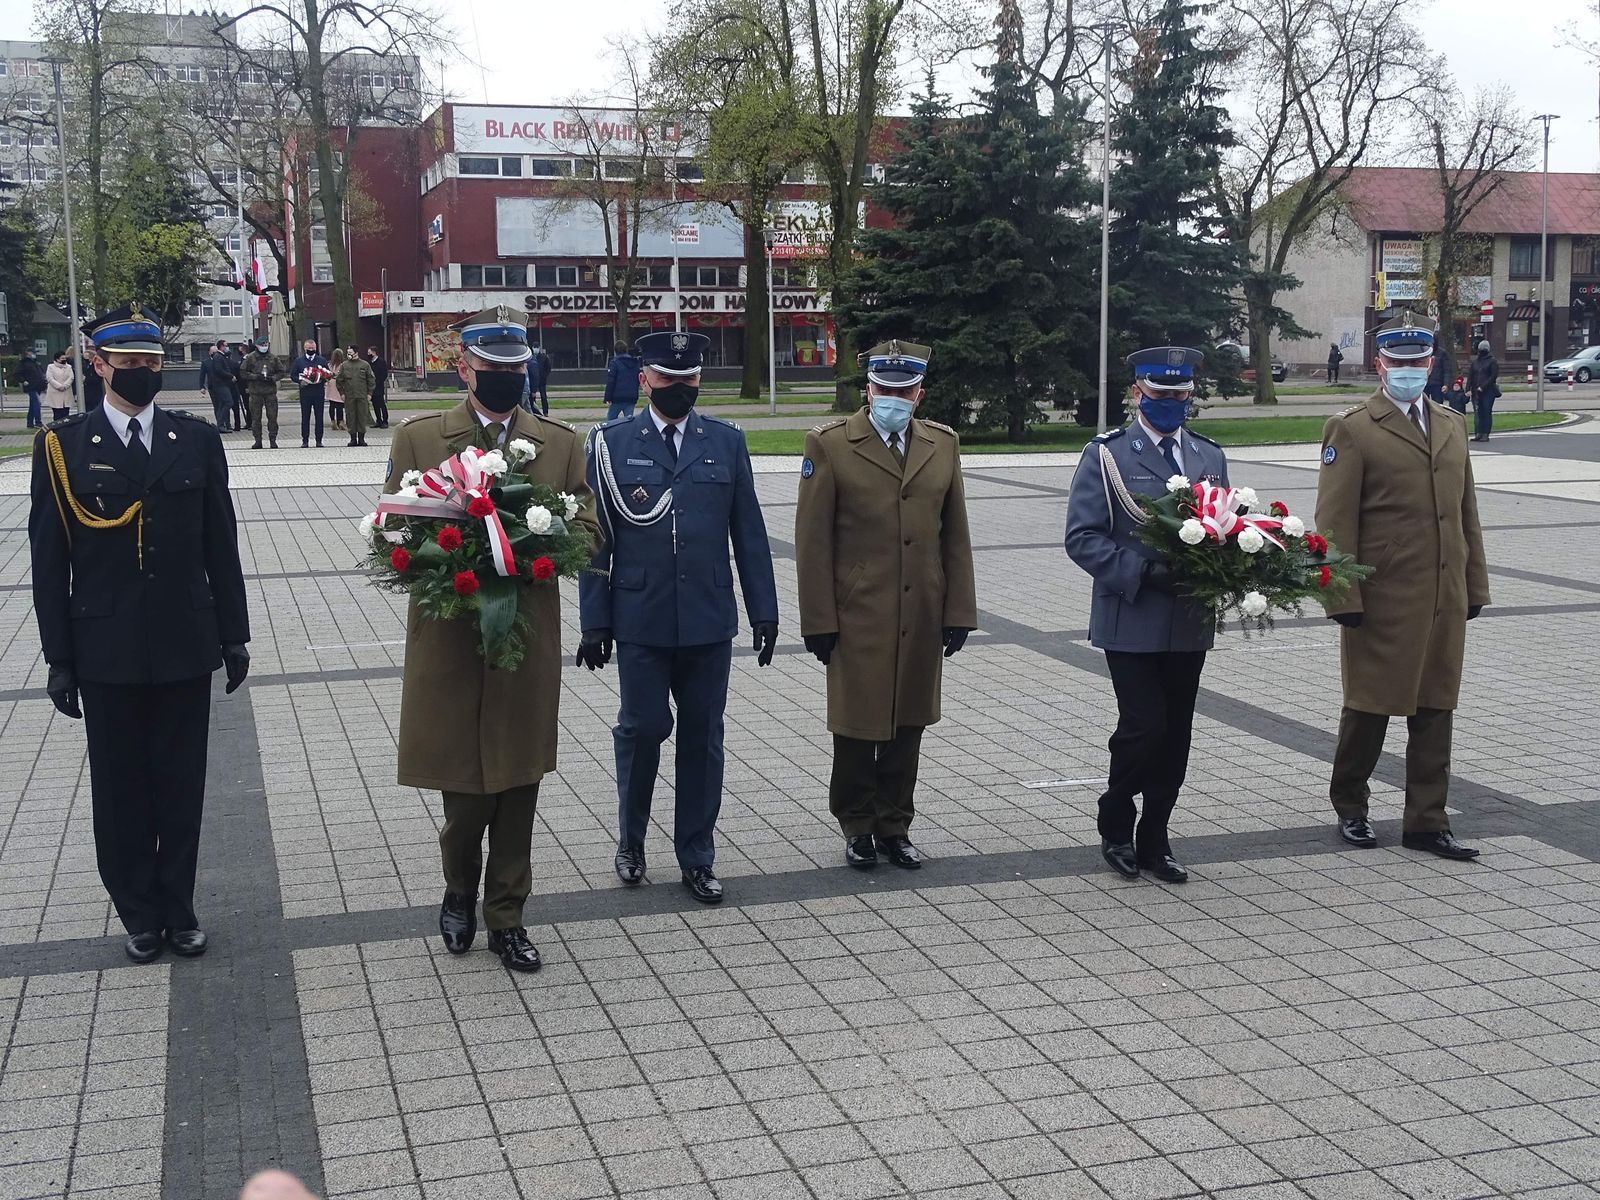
x,y
1105,238
66,225
1544,258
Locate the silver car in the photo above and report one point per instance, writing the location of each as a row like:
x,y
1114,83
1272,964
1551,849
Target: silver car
x,y
1583,365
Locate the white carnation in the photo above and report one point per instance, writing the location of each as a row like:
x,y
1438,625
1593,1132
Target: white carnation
x,y
537,519
1294,526
410,480
409,492
1248,498
1178,483
368,524
1250,540
1191,532
1254,603
493,463
523,447
570,503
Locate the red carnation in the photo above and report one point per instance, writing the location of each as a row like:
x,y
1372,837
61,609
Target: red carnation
x,y
1325,578
399,558
466,582
449,539
542,568
1280,509
481,506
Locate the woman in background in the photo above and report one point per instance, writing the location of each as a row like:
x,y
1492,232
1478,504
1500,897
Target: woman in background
x,y
335,399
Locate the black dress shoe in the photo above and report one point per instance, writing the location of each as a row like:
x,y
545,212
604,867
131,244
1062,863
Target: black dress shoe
x,y
187,943
274,443
703,885
860,852
1358,832
630,864
257,446
143,947
1164,867
1124,861
305,445
458,922
514,949
900,852
1443,844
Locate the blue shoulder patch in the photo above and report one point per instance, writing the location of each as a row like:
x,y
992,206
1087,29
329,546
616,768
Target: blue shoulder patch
x,y
807,468
1328,455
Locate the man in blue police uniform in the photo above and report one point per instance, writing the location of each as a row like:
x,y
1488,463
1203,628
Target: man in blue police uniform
x,y
140,597
1155,642
672,486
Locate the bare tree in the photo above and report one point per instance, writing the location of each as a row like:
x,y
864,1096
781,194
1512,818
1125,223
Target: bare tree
x,y
1327,77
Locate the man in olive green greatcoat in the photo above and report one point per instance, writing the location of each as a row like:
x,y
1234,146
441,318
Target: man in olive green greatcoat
x,y
884,561
486,737
1395,490
355,382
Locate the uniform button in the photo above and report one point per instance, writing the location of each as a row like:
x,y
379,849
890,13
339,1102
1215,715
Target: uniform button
x,y
908,541
905,495
683,577
902,632
908,587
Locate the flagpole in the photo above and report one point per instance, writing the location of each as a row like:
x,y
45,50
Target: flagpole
x,y
245,305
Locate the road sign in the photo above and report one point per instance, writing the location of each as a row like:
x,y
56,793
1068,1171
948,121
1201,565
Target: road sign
x,y
1486,312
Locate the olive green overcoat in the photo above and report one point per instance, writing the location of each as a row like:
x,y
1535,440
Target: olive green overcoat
x,y
465,727
1405,506
884,559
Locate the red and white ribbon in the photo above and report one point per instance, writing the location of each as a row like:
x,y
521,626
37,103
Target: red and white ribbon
x,y
1217,509
445,493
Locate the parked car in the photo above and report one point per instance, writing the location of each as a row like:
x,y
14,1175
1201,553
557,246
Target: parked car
x,y
1247,372
1584,365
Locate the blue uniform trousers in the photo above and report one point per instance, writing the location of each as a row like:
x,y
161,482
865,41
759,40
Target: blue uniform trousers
x,y
697,678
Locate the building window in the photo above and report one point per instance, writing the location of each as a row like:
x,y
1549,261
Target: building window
x,y
621,168
509,167
567,276
516,275
207,308
5,69
494,277
1517,331
547,277
799,174
550,168
235,242
230,308
690,171
1584,259
1524,258
713,277
471,277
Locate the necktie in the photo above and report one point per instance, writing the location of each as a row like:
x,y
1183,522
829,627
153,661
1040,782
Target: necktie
x,y
894,448
670,433
1416,418
138,456
1168,452
492,432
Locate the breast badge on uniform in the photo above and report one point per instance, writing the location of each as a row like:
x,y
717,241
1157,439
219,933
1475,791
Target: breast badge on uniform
x,y
807,468
1138,444
1328,455
640,495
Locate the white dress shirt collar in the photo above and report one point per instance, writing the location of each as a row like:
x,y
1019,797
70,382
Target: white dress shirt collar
x,y
883,433
1177,440
1405,410
505,422
661,423
119,423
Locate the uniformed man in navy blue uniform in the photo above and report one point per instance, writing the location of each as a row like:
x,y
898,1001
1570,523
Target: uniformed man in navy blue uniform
x,y
140,597
672,487
1155,642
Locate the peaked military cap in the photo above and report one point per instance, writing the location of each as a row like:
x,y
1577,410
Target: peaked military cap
x,y
672,352
497,335
896,364
1405,337
132,329
1166,368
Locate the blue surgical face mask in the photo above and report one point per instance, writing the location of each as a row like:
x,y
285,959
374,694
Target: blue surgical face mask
x,y
1164,416
891,413
1405,384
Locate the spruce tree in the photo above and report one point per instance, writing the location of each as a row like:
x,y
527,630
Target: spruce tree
x,y
1175,277
988,260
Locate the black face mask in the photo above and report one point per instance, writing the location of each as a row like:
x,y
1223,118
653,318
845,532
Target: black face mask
x,y
675,400
498,391
137,385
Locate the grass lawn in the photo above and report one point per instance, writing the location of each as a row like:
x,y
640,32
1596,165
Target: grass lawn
x,y
1236,431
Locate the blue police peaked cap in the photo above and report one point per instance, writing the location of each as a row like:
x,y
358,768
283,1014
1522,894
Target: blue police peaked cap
x,y
132,329
673,352
1166,368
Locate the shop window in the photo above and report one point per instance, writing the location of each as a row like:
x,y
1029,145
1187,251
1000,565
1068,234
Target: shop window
x,y
550,168
471,277
621,168
1517,331
690,171
544,277
661,277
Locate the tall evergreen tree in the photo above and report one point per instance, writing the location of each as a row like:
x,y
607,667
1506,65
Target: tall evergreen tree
x,y
1175,277
987,261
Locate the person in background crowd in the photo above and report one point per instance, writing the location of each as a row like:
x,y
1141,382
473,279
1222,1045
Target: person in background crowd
x,y
336,400
1456,396
60,383
1335,357
355,382
1483,378
241,407
1439,376
539,377
94,388
216,376
313,388
622,384
261,370
31,376
380,390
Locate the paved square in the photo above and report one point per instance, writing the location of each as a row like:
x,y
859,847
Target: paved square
x,y
1012,1022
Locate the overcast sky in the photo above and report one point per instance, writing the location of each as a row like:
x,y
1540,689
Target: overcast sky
x,y
544,51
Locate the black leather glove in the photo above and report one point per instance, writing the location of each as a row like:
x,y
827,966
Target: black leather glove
x,y
955,637
594,648
1348,620
822,645
1157,576
766,640
62,688
1473,610
236,662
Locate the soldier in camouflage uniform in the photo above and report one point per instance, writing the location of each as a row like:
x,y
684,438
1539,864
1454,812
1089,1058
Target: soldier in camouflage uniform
x,y
260,373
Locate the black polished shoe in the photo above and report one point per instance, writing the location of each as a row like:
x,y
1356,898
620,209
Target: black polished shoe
x,y
1442,843
458,922
703,885
1124,861
860,852
257,446
187,943
1164,867
273,443
630,864
514,949
1358,831
900,851
143,947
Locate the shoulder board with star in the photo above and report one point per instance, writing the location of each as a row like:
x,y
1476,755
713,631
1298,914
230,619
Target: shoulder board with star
x,y
433,416
827,425
940,426
720,421
1351,411
184,414
69,421
1202,437
1109,435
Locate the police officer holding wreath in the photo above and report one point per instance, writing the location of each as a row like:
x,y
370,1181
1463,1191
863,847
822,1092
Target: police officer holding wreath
x,y
140,598
1395,490
887,592
1155,642
674,487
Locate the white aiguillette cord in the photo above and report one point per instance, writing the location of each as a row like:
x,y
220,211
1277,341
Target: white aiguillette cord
x,y
1111,476
608,479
